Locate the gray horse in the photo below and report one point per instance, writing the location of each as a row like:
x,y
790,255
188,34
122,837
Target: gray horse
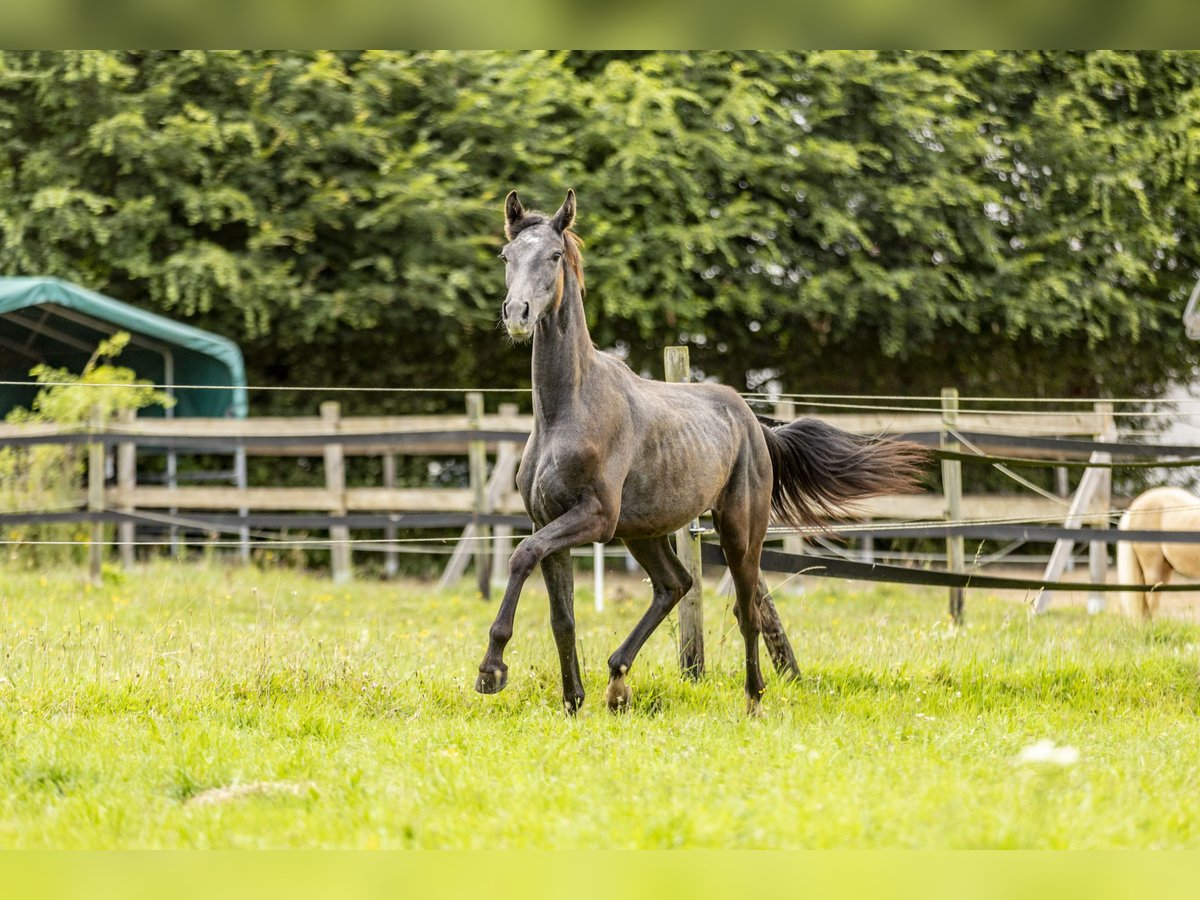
x,y
615,455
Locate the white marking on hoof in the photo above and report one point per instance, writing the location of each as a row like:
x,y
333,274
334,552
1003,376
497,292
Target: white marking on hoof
x,y
618,694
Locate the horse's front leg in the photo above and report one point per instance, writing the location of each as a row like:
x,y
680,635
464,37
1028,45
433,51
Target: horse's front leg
x,y
560,584
586,522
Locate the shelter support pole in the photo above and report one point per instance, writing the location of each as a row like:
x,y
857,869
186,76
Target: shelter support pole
x,y
687,545
1094,487
126,484
477,471
952,489
335,483
95,493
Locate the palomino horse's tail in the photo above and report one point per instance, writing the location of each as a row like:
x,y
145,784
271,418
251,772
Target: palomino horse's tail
x,y
818,470
1129,571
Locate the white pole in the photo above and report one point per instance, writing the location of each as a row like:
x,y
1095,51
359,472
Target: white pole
x,y
598,575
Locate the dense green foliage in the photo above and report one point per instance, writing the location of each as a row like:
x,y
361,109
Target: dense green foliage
x,y
189,707
1010,223
50,477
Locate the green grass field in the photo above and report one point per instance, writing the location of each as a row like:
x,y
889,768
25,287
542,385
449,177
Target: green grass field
x,y
192,706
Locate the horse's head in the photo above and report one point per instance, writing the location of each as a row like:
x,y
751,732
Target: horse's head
x,y
538,245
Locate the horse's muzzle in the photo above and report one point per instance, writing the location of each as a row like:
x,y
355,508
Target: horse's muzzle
x,y
519,331
517,320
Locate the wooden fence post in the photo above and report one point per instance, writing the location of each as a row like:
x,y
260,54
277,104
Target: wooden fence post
x,y
335,483
496,490
477,471
126,483
687,546
240,480
952,489
95,493
508,454
391,559
1098,550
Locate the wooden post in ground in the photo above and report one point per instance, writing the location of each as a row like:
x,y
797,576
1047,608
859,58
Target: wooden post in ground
x,y
499,486
687,546
240,480
391,559
952,489
95,493
1098,550
126,483
508,455
477,470
335,483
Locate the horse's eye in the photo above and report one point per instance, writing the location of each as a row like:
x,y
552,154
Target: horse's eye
x,y
557,257
503,257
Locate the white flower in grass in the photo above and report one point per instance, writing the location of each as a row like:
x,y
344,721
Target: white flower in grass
x,y
1045,751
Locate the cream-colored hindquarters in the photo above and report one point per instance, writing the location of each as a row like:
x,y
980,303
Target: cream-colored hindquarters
x,y
1158,509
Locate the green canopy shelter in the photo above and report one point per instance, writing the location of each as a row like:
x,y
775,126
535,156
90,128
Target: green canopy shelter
x,y
44,320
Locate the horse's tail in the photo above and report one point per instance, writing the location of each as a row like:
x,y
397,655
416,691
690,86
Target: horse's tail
x,y
818,470
1129,571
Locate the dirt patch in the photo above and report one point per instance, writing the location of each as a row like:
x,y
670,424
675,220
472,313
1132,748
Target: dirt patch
x,y
227,793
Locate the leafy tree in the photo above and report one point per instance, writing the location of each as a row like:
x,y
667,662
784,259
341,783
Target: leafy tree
x,y
1012,223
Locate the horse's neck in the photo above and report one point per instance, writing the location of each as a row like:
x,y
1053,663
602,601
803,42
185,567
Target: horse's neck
x,y
562,355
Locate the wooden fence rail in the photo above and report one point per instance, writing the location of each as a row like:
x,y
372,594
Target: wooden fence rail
x,y
333,439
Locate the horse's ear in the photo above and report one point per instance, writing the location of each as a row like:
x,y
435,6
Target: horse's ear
x,y
513,212
565,217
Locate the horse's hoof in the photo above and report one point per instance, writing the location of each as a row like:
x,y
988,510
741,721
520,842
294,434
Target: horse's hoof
x,y
753,706
618,695
572,704
492,681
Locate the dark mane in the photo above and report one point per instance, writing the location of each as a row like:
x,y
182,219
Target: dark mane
x,y
571,241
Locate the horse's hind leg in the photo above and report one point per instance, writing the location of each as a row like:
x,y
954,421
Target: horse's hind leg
x,y
670,581
1156,570
560,584
779,648
742,553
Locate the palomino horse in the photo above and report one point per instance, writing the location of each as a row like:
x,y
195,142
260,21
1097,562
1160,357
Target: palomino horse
x,y
615,455
1158,509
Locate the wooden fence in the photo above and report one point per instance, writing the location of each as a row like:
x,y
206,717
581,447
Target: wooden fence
x,y
492,441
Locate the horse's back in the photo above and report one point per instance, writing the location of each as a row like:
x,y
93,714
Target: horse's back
x,y
1163,509
691,440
